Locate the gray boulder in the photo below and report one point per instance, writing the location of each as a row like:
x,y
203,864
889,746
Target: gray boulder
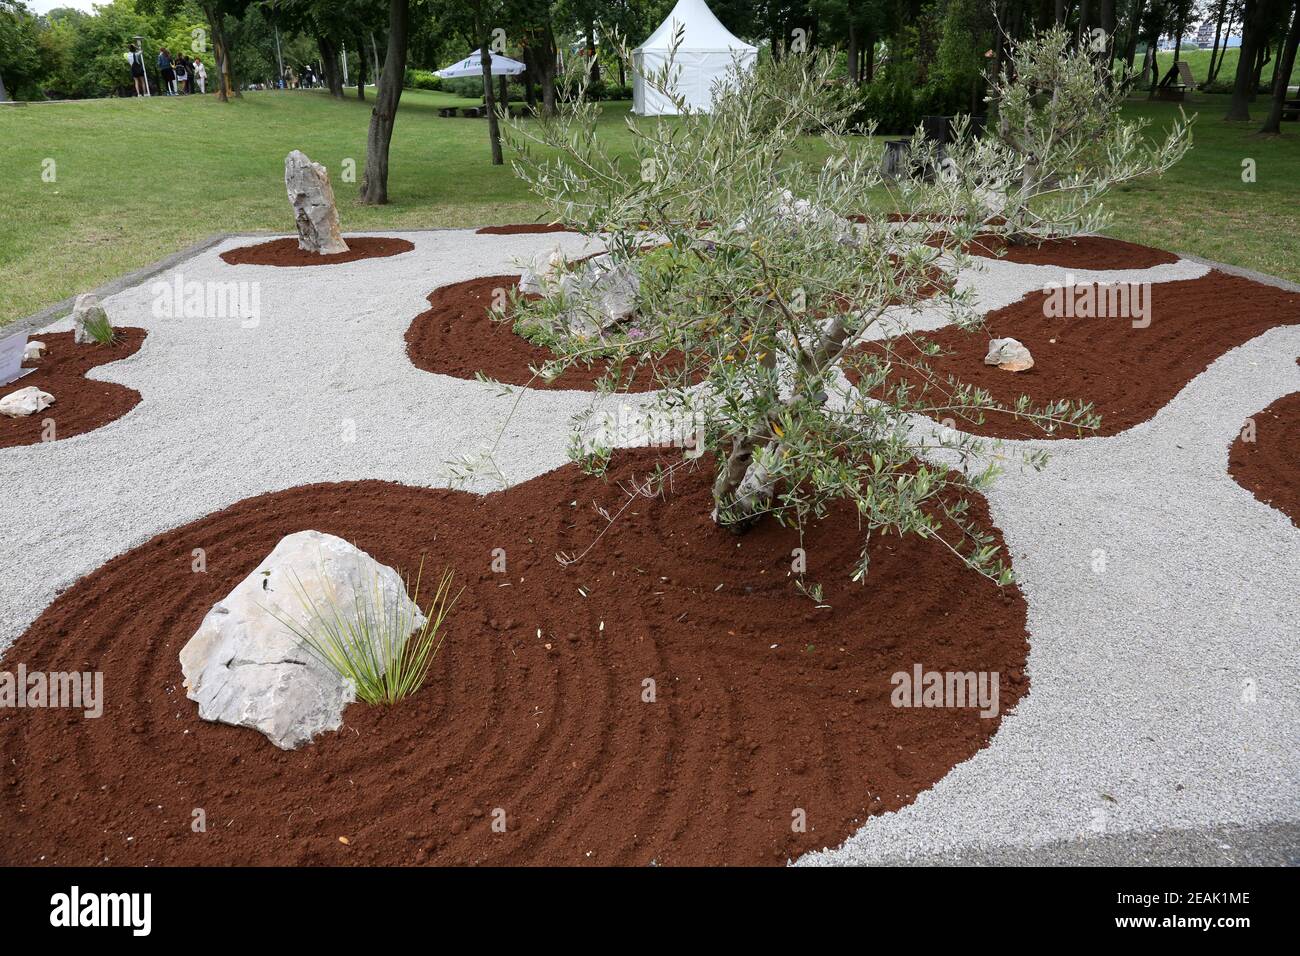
x,y
314,211
247,667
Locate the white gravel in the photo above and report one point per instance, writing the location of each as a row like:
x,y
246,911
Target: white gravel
x,y
1138,717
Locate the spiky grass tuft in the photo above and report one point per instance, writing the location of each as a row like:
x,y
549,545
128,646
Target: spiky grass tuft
x,y
100,330
368,644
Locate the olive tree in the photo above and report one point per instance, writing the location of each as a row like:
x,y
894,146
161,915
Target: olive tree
x,y
1060,141
755,294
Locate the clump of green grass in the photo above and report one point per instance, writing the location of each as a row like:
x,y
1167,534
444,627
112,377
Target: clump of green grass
x,y
100,330
368,643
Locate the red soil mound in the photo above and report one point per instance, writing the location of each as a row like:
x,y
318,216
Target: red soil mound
x,y
458,337
763,705
522,229
1082,252
1268,466
285,252
80,405
1128,373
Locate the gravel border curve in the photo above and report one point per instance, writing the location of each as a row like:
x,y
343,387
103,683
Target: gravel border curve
x,y
1164,702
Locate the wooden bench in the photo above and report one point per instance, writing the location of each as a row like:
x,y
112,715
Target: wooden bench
x,y
1173,88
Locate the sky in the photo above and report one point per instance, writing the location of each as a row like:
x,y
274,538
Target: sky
x,y
45,6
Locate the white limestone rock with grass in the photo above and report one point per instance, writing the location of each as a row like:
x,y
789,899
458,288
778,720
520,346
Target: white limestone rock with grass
x,y
87,312
25,401
248,667
314,210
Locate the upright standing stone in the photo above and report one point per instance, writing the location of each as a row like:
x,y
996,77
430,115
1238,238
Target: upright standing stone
x,y
87,310
314,211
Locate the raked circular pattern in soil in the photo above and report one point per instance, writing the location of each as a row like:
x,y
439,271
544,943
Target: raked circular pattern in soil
x,y
668,699
1160,593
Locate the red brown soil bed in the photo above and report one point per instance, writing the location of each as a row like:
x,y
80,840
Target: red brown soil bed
x,y
1268,467
285,252
458,337
1128,374
80,404
522,229
1081,252
551,728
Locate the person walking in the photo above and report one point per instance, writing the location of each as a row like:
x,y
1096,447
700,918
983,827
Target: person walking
x,y
165,71
182,73
136,62
200,75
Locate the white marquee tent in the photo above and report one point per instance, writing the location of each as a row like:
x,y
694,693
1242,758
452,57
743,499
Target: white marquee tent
x,y
706,53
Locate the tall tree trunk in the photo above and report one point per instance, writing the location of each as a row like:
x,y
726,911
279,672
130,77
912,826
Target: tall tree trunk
x,y
1262,58
223,85
852,53
362,66
489,100
1134,27
503,92
1218,33
329,63
1282,76
374,184
1061,10
374,54
1239,109
4,94
544,57
869,56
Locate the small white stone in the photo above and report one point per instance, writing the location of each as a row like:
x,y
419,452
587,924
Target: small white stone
x,y
1009,355
33,351
25,401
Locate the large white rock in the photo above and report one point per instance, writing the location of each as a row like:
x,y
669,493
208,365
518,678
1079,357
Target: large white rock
x,y
86,309
1009,355
314,211
245,666
602,293
25,401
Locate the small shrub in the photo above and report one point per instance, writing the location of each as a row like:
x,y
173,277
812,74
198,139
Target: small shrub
x,y
423,80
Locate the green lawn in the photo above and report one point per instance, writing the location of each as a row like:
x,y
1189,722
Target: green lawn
x,y
1199,63
138,179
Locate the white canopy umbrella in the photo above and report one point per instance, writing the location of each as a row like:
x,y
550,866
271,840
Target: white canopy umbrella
x,y
707,52
472,65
